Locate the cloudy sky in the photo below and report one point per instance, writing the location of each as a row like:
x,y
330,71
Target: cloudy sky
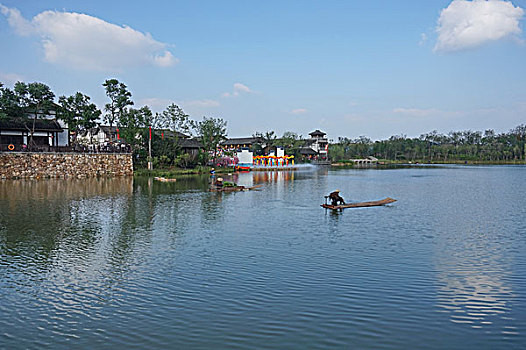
x,y
349,68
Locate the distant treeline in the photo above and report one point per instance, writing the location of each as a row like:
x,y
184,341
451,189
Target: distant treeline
x,y
435,147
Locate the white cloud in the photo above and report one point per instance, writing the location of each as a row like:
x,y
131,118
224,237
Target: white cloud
x,y
16,21
355,118
298,111
86,42
238,89
202,103
10,78
160,104
155,103
469,24
423,39
165,59
416,112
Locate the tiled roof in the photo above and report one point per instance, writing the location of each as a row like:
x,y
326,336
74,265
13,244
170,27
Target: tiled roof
x,y
190,143
26,124
317,133
241,141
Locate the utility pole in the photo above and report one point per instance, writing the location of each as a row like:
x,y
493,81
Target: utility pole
x,y
150,164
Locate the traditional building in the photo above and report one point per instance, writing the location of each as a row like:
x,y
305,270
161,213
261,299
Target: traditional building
x,y
316,147
241,142
98,135
190,146
15,134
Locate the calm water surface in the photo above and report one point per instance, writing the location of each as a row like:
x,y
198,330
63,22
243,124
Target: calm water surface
x,y
136,264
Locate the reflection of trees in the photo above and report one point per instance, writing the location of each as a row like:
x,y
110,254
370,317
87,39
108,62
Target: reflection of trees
x,y
134,224
35,216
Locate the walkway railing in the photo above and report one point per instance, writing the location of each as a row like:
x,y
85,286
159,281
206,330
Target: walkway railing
x,y
66,149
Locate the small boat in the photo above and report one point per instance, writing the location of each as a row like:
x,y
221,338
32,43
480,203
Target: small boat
x,y
232,188
360,204
243,168
163,179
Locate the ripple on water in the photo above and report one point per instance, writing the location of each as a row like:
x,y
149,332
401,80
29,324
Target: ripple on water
x,y
177,267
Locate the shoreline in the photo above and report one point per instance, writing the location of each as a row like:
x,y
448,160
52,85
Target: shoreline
x,y
171,172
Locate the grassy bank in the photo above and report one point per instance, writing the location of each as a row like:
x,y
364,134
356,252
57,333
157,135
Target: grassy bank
x,y
173,172
349,164
458,161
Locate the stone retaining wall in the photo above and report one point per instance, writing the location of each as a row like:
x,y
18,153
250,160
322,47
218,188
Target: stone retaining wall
x,y
15,165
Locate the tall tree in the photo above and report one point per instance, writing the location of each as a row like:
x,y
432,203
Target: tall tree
x,y
292,142
120,99
519,134
178,122
35,99
269,138
77,111
211,131
9,104
133,125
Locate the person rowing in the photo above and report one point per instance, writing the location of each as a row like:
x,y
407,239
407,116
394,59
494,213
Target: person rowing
x,y
336,198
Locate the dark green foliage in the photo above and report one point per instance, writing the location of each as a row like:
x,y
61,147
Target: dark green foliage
x,y
435,147
120,99
35,99
211,131
77,111
9,104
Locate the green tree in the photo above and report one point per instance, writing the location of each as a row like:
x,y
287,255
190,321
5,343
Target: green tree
x,y
77,112
134,126
292,142
175,120
269,139
34,99
211,132
9,104
120,99
519,134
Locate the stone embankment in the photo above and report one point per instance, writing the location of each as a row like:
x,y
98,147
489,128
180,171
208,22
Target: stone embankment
x,y
15,165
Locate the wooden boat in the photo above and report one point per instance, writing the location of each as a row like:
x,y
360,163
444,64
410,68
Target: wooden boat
x,y
233,188
163,179
360,204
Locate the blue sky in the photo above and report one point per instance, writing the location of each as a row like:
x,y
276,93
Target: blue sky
x,y
349,68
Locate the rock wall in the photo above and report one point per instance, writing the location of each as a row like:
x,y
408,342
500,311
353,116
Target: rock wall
x,y
64,165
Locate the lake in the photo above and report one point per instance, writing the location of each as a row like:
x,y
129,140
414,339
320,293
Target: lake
x,y
141,264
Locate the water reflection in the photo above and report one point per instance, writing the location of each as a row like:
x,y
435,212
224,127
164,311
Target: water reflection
x,y
473,278
139,263
53,189
473,296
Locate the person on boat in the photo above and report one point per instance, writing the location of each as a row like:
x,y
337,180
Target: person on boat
x,y
212,171
219,182
336,198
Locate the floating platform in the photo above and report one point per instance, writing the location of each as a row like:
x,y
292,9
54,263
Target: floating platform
x,y
233,188
164,179
360,204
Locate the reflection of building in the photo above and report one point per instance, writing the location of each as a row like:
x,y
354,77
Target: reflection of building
x,y
316,147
